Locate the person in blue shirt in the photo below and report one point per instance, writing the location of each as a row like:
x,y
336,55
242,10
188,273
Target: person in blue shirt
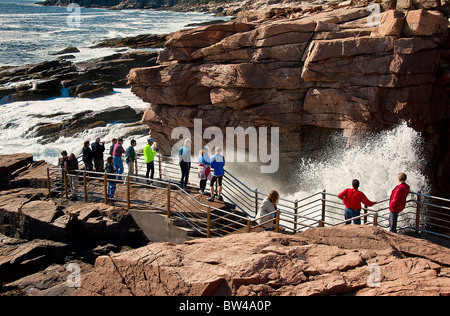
x,y
217,163
184,154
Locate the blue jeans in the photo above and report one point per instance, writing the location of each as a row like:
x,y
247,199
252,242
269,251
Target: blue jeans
x,y
349,213
111,189
118,164
393,218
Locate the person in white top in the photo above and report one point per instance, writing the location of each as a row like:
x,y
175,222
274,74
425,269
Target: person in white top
x,y
268,206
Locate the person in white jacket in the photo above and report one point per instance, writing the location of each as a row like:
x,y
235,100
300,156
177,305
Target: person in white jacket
x,y
268,206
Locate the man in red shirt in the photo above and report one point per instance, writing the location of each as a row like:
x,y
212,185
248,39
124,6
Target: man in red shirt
x,y
352,201
397,201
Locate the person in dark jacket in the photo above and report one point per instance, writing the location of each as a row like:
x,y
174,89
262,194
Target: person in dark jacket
x,y
87,156
130,158
62,162
97,150
111,170
111,149
72,176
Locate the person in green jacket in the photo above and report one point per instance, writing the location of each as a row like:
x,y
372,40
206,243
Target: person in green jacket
x,y
150,150
130,157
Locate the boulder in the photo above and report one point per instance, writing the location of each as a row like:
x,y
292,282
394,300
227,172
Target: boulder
x,y
89,79
19,258
10,163
67,50
84,120
391,24
52,281
323,261
424,23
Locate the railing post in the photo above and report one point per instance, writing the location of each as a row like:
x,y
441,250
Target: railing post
x,y
136,166
256,201
208,223
321,224
105,187
85,186
49,183
365,213
168,200
128,193
295,216
249,225
277,222
324,196
418,209
375,220
160,166
65,185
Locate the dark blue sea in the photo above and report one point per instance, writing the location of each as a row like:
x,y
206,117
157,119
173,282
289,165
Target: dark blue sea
x,y
28,31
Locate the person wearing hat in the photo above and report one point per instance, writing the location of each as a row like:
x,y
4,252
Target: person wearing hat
x,y
150,150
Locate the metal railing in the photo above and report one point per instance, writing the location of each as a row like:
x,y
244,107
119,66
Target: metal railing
x,y
422,212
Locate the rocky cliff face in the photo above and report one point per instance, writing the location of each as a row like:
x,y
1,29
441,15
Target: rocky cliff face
x,y
311,71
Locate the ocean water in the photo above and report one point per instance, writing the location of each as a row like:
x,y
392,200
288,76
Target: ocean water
x,y
28,31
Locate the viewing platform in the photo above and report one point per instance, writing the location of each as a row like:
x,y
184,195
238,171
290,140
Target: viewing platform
x,y
165,212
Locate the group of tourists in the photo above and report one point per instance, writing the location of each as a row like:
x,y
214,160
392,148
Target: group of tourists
x,y
205,164
93,159
209,169
352,198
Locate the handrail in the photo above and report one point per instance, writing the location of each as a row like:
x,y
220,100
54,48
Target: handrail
x,y
314,210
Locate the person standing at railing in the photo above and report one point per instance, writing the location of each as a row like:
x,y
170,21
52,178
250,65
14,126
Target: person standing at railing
x,y
130,157
87,156
62,162
117,157
110,169
352,200
111,149
218,164
184,155
72,176
397,202
97,150
269,205
150,150
204,169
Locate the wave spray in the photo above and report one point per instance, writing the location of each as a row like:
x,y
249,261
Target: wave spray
x,y
375,162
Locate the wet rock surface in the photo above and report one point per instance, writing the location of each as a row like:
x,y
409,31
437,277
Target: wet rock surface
x,y
89,79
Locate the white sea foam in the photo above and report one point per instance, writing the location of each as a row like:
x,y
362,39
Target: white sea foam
x,y
19,117
375,162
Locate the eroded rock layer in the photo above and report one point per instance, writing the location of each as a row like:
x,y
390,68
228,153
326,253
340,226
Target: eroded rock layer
x,y
312,72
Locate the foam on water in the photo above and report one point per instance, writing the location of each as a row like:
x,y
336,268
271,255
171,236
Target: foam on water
x,y
375,162
19,117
